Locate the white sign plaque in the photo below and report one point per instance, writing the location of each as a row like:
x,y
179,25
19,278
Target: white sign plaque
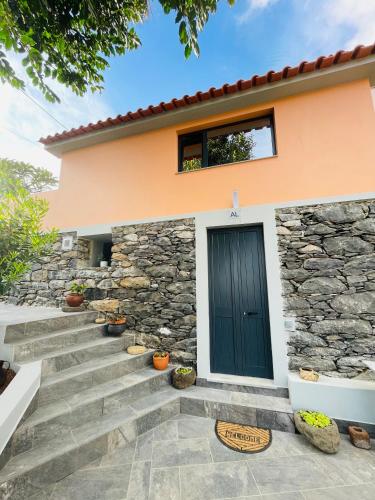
x,y
67,243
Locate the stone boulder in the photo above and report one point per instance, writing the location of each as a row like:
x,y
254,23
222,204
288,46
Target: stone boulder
x,y
343,245
326,439
352,327
340,213
136,282
322,286
358,303
106,305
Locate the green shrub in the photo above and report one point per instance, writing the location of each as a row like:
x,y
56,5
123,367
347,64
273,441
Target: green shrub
x,y
160,354
184,371
315,418
193,164
77,288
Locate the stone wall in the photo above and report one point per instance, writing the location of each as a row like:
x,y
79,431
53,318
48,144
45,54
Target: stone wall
x,y
52,276
151,280
328,275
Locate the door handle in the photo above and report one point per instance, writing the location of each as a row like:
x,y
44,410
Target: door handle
x,y
250,313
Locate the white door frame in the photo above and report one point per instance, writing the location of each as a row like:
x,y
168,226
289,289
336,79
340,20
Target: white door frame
x,y
264,215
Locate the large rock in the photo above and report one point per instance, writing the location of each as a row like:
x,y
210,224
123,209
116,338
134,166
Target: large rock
x,y
322,285
181,287
340,213
294,303
320,229
315,362
163,271
135,282
359,264
326,439
357,303
353,327
343,245
365,226
323,264
106,305
307,339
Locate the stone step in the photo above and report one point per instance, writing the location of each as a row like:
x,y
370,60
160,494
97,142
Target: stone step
x,y
67,357
262,389
31,472
39,346
63,321
253,409
87,375
61,417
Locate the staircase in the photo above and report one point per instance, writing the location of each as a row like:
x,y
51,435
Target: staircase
x,y
94,397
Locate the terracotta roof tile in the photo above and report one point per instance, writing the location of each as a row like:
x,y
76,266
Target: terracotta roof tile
x,y
270,77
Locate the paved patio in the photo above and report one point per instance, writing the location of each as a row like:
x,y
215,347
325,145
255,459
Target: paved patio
x,y
183,460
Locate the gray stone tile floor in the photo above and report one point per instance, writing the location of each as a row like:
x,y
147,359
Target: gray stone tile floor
x,y
183,460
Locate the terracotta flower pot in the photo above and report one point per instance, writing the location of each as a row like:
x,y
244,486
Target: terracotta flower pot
x,y
183,380
161,363
74,299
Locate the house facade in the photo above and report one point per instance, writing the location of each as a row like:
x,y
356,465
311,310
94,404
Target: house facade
x,y
238,224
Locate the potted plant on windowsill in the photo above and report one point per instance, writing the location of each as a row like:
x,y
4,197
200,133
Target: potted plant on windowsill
x,y
116,324
183,377
75,297
160,360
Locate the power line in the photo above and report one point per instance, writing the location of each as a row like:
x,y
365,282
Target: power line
x,y
41,107
22,137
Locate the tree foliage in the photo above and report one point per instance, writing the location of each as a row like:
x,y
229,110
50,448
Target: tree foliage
x,y
230,148
71,40
22,239
34,179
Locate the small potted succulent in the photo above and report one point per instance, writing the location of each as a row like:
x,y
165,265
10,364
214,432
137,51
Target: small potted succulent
x,y
183,377
161,360
75,296
319,429
116,324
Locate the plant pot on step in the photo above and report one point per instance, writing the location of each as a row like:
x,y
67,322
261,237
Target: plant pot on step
x,y
115,326
75,297
160,360
320,430
183,377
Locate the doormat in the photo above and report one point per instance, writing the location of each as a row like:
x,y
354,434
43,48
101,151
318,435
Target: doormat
x,y
243,438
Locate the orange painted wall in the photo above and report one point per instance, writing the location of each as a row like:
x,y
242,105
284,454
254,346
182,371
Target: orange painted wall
x,y
325,142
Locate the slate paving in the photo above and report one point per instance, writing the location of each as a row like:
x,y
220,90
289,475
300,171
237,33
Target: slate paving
x,y
182,459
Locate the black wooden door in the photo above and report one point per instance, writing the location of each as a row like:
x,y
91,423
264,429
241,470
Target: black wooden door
x,y
240,341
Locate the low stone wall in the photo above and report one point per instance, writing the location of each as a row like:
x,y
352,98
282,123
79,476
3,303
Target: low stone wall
x,y
328,275
151,278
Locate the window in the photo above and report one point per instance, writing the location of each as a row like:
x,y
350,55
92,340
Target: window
x,y
247,140
100,249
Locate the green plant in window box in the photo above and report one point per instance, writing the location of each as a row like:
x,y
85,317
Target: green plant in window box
x,y
190,165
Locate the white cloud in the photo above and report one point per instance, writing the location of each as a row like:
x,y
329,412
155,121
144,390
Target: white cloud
x,y
252,6
357,17
22,122
318,27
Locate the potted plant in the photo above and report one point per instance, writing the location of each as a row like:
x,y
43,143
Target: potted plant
x,y
319,429
160,360
183,377
75,297
115,324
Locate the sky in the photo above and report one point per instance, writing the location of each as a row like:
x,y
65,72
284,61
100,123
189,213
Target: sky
x,y
250,38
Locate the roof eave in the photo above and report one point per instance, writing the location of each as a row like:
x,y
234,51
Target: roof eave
x,y
355,70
